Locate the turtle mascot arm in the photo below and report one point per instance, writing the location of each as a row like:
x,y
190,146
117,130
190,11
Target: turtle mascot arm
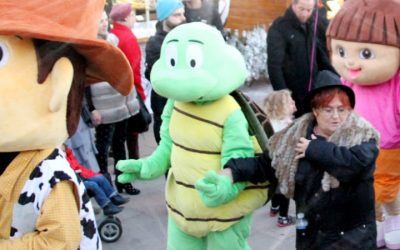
x,y
155,165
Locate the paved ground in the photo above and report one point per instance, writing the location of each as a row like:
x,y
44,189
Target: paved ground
x,y
144,217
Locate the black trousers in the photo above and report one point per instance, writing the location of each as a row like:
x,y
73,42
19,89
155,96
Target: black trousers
x,y
279,200
114,136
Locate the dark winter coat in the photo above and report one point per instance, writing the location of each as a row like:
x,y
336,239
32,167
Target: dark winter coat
x,y
208,13
153,49
342,218
289,46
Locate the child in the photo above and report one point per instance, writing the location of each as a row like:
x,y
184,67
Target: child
x,y
105,195
280,107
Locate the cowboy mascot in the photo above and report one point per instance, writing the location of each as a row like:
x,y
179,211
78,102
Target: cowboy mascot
x,y
48,52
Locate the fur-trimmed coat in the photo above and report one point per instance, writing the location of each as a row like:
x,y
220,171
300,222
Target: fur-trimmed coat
x,y
337,213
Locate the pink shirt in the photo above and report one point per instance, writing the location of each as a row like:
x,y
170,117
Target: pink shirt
x,y
380,105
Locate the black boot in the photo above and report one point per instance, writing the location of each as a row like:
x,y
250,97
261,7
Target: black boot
x,y
119,186
111,209
129,189
119,200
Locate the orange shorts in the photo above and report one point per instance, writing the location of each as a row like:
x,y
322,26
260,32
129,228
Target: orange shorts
x,y
387,175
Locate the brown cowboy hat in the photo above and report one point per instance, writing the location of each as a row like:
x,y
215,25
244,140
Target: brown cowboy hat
x,y
74,22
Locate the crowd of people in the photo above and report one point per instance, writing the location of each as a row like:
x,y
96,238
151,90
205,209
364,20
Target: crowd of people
x,y
329,151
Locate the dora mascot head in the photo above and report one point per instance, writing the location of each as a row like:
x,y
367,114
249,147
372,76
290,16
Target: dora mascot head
x,y
364,40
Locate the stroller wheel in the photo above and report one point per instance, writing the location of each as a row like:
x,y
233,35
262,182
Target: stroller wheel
x,y
110,230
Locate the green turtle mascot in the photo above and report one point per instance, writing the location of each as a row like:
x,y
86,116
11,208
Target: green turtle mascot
x,y
203,127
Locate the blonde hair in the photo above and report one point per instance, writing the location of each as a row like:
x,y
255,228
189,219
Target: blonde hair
x,y
276,104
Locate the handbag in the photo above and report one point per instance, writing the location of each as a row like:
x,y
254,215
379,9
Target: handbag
x,y
140,122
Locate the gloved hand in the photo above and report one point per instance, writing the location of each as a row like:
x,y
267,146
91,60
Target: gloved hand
x,y
130,170
215,189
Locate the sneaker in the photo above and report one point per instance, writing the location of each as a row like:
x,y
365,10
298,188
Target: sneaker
x,y
274,211
111,209
285,221
119,200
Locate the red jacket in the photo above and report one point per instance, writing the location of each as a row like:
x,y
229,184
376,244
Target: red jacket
x,y
129,45
75,165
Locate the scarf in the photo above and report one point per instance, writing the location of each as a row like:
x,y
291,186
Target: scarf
x,y
354,131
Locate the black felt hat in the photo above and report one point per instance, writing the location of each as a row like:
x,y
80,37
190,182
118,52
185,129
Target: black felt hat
x,y
327,80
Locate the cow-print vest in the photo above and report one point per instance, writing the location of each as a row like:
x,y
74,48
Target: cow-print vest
x,y
35,192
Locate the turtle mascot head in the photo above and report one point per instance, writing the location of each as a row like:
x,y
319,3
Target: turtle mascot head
x,y
196,65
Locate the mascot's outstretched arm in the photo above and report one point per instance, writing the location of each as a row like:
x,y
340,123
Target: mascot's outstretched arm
x,y
157,163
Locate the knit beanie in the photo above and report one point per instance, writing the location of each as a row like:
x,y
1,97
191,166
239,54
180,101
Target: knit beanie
x,y
367,21
120,12
165,8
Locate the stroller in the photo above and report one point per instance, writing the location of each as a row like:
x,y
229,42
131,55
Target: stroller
x,y
108,226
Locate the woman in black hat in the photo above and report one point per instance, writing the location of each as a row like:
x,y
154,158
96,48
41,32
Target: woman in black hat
x,y
325,161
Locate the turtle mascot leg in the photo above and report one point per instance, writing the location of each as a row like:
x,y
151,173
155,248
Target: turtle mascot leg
x,y
235,237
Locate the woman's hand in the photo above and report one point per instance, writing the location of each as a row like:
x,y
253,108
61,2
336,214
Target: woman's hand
x,y
96,117
227,172
302,146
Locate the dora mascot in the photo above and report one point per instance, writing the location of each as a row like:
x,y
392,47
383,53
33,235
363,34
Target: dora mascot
x,y
364,41
48,51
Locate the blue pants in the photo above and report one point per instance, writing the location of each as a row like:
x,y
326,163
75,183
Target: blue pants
x,y
101,188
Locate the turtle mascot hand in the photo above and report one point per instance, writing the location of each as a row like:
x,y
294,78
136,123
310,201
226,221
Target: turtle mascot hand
x,y
131,170
143,169
215,189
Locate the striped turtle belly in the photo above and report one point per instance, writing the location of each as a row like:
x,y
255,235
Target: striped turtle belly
x,y
193,217
196,150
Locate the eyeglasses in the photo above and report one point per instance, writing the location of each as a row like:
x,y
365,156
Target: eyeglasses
x,y
329,111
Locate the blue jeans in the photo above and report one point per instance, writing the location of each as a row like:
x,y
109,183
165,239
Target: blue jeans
x,y
101,188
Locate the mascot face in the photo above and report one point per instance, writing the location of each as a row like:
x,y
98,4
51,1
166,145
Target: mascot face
x,y
196,65
365,63
32,115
